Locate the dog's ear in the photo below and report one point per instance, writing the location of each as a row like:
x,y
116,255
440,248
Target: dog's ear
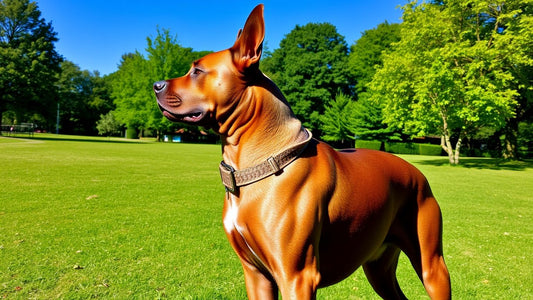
x,y
249,44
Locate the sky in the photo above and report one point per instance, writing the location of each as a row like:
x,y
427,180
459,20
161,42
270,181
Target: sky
x,y
94,34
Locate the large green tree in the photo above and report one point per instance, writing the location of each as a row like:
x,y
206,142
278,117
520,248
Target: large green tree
x,y
446,75
514,20
366,56
83,97
131,90
338,120
310,68
366,53
29,62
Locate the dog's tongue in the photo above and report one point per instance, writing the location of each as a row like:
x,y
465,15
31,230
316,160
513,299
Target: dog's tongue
x,y
195,115
192,117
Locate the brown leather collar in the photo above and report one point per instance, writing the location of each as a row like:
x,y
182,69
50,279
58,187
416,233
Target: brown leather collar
x,y
233,179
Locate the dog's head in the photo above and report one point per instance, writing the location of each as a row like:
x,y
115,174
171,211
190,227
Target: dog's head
x,y
215,83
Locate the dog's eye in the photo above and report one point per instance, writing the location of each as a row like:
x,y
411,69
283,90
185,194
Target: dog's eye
x,y
196,71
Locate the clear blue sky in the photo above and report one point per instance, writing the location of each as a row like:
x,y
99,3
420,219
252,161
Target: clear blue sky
x,y
95,33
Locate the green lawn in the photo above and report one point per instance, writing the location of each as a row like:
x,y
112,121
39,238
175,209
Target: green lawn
x,y
110,218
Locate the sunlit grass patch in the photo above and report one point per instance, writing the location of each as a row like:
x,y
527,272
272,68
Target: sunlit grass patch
x,y
82,218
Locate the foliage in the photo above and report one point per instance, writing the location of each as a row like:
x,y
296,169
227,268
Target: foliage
x,y
310,69
445,75
401,148
525,139
364,144
368,122
131,91
337,120
346,120
429,149
83,96
366,54
108,125
516,46
28,62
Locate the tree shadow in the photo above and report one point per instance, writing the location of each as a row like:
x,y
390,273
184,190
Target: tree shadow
x,y
80,139
483,163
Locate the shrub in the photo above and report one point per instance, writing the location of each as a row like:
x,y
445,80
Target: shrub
x,y
401,148
132,133
429,149
375,145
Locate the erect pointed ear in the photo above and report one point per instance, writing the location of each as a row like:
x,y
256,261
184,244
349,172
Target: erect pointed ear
x,y
249,44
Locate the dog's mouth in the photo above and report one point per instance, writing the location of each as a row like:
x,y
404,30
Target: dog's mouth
x,y
192,117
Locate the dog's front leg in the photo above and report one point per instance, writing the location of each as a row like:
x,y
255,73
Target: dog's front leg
x,y
300,284
258,286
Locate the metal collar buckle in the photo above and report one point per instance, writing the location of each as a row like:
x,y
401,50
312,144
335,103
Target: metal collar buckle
x,y
227,174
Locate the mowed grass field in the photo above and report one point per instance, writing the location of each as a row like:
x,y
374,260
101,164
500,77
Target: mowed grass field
x,y
109,218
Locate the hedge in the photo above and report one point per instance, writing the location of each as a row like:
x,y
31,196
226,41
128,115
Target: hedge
x,y
402,148
132,133
375,145
429,149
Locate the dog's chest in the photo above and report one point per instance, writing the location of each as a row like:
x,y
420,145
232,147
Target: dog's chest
x,y
230,218
233,228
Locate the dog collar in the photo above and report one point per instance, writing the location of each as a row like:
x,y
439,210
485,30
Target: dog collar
x,y
233,179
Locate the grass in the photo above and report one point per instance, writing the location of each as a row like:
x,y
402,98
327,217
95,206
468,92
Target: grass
x,y
109,218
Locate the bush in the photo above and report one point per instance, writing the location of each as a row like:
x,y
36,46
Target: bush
x,y
429,149
401,148
132,133
375,145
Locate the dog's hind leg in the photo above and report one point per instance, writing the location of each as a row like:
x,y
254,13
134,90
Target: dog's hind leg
x,y
421,241
381,273
434,272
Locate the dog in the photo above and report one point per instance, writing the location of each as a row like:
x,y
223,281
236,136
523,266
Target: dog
x,y
299,214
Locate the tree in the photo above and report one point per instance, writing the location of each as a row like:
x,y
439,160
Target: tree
x,y
345,120
83,97
310,68
368,122
337,120
365,57
366,54
108,125
28,61
445,76
131,92
515,44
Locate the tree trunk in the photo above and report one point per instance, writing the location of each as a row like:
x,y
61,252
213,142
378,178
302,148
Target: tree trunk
x,y
457,150
446,144
510,140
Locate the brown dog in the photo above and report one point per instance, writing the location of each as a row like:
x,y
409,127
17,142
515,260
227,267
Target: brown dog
x,y
299,214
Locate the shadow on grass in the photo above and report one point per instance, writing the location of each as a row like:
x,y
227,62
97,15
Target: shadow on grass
x,y
484,163
66,138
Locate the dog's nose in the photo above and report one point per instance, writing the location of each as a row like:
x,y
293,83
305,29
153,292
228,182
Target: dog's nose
x,y
160,86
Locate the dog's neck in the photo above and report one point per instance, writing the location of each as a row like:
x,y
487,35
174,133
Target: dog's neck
x,y
261,125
